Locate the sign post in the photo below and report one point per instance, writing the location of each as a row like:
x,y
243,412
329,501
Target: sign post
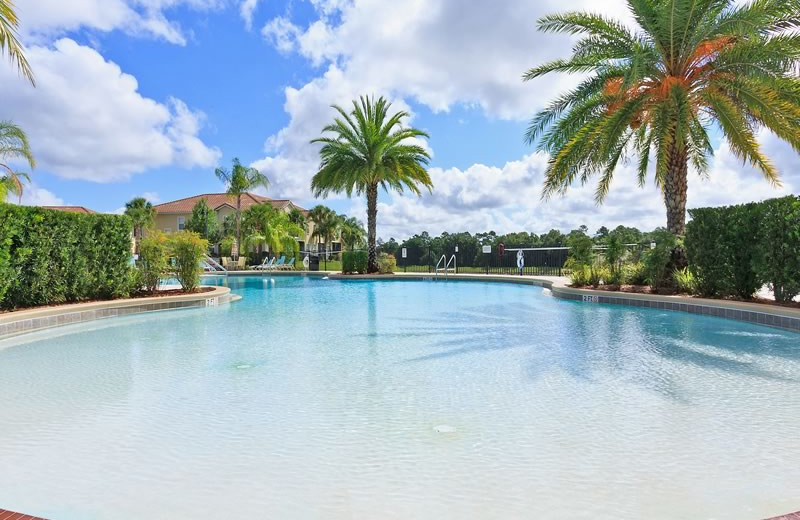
x,y
487,254
404,255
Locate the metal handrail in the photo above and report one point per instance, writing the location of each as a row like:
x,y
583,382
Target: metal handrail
x,y
213,263
446,267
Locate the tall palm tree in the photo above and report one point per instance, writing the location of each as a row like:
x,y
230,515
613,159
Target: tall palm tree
x,y
240,179
352,232
326,225
9,24
656,91
14,146
369,148
142,213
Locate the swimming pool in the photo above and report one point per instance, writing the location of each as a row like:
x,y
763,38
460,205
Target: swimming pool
x,y
316,398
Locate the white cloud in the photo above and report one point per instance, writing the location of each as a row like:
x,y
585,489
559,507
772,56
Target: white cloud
x,y
45,19
282,33
33,195
246,9
484,198
87,120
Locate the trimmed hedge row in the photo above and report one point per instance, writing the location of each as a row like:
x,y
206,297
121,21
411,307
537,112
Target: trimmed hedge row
x,y
49,256
733,250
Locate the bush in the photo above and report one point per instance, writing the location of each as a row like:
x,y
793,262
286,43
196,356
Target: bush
x,y
153,260
386,263
721,247
348,262
49,256
656,260
188,249
226,246
685,281
354,262
580,248
779,261
598,274
634,274
580,275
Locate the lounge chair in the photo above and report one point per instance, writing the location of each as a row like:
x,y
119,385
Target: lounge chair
x,y
279,263
288,266
241,264
266,264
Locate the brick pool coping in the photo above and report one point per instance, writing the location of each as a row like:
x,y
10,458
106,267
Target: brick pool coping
x,y
762,314
20,322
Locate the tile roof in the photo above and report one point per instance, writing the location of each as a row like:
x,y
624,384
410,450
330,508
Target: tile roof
x,y
71,209
216,200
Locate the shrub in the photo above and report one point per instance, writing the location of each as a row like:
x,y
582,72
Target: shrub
x,y
598,274
580,275
656,260
634,274
386,263
779,261
226,246
360,261
580,248
348,262
615,276
721,247
685,280
153,260
188,249
49,256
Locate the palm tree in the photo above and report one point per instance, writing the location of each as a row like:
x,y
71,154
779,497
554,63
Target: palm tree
x,y
326,225
241,179
352,232
367,150
297,217
657,91
9,24
141,213
13,145
265,225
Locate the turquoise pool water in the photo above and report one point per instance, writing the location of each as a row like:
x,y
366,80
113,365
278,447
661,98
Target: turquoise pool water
x,y
317,398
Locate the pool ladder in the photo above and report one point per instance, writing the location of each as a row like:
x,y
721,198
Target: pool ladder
x,y
446,268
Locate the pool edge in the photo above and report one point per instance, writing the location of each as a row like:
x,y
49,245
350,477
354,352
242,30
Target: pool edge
x,y
15,323
760,314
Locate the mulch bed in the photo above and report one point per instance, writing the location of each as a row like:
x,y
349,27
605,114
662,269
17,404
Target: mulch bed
x,y
645,289
158,294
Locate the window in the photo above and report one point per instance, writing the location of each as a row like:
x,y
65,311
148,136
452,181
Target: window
x,y
181,223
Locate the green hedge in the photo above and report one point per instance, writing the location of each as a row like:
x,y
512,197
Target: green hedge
x,y
49,256
355,262
733,250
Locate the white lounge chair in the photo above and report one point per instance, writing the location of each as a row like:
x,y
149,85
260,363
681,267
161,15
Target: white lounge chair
x,y
279,263
288,266
265,264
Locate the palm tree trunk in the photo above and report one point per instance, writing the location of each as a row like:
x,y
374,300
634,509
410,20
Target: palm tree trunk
x,y
675,184
675,191
372,217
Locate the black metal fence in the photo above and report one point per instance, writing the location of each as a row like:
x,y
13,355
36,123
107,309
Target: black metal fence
x,y
535,261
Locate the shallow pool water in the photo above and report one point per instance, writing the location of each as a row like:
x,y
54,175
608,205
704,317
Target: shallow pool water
x,y
316,398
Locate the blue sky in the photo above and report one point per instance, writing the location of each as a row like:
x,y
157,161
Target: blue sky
x,y
146,97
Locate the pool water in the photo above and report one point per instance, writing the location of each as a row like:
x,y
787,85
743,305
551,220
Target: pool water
x,y
316,398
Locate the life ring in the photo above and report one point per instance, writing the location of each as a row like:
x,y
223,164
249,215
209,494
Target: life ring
x,y
306,262
520,259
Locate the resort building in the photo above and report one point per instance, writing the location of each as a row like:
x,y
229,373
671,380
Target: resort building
x,y
173,216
